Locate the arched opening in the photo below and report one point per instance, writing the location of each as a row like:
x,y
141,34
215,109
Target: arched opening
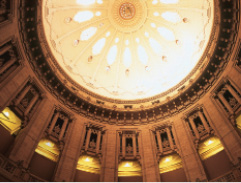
x,y
88,169
129,171
45,159
10,126
171,169
214,157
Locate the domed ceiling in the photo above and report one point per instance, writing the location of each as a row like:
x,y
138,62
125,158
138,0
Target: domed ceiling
x,y
128,50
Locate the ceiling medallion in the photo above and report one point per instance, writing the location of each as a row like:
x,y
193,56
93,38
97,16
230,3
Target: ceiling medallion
x,y
127,16
127,11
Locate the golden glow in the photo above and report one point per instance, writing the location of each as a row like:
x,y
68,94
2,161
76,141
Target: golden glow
x,y
129,168
48,149
210,147
169,163
127,38
89,164
10,121
238,121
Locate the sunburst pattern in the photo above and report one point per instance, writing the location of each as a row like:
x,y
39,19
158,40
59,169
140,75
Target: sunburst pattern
x,y
128,49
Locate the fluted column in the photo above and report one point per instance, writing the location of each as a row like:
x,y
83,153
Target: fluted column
x,y
21,96
5,49
27,141
225,102
235,95
109,166
66,120
32,102
170,138
7,65
204,121
123,145
190,158
150,168
194,127
98,142
87,139
159,141
53,122
67,164
9,86
134,145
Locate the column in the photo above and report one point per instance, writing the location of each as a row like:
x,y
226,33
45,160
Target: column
x,y
33,101
109,166
27,141
53,122
134,144
159,140
190,158
194,127
63,129
10,87
200,114
7,64
5,49
21,96
235,95
98,142
67,164
170,138
225,102
150,170
225,131
123,145
87,139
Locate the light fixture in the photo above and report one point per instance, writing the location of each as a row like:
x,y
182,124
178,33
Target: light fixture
x,y
210,142
49,144
6,114
127,165
87,159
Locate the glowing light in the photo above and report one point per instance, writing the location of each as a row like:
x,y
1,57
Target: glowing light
x,y
98,13
97,48
49,144
154,1
107,34
155,46
169,1
112,55
171,16
166,33
99,1
142,54
87,159
156,14
167,160
127,57
6,114
117,40
85,2
153,25
88,33
83,16
210,142
127,165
